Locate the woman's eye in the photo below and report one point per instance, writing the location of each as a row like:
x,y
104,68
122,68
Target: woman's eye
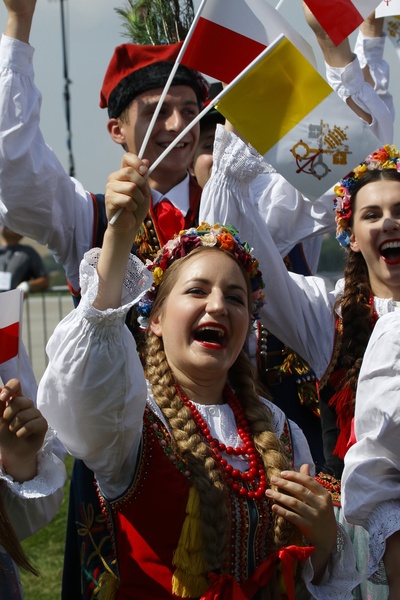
x,y
236,299
196,291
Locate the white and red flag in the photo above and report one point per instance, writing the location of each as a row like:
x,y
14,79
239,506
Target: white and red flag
x,y
229,35
10,324
340,18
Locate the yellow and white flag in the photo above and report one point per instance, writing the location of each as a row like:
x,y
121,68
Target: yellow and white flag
x,y
287,111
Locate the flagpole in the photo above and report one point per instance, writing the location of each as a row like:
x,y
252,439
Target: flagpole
x,y
214,102
21,313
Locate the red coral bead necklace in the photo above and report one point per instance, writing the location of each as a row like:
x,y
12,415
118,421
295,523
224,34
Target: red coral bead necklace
x,y
255,477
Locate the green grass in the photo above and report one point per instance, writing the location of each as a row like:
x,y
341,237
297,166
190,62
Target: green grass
x,y
46,551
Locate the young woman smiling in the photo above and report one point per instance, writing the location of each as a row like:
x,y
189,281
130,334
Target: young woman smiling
x,y
207,487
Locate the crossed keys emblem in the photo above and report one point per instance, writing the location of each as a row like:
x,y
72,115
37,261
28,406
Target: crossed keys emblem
x,y
329,146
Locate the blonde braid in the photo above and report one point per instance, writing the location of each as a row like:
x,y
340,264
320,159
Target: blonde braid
x,y
204,474
242,377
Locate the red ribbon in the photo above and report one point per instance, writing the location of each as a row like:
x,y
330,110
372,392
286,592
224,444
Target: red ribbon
x,y
225,587
169,220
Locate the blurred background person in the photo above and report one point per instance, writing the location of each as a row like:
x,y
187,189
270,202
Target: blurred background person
x,y
21,266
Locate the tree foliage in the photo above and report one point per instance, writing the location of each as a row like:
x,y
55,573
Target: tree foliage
x,y
154,22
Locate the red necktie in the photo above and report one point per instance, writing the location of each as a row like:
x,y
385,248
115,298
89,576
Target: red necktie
x,y
169,219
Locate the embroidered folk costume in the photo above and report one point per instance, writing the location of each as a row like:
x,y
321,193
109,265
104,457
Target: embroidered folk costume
x,y
149,501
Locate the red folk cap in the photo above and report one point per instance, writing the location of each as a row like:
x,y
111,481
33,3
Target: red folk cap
x,y
129,58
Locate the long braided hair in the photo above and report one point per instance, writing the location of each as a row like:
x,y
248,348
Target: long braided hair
x,y
205,475
356,304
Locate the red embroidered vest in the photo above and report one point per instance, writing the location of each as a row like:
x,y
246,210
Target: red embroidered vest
x,y
147,521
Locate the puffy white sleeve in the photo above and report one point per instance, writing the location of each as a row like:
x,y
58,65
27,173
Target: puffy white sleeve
x,y
371,477
262,197
94,391
298,310
369,52
32,504
37,197
349,82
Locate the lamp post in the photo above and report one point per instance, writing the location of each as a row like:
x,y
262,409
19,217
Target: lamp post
x,y
67,97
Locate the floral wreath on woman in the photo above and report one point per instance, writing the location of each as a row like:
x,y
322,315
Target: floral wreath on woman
x,y
218,236
387,157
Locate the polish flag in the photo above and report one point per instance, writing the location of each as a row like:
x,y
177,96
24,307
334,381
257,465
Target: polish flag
x,y
340,18
10,319
230,34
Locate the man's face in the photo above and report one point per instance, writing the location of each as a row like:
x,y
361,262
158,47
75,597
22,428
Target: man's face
x,y
178,110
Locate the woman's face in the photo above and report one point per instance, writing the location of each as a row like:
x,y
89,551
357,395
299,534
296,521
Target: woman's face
x,y
204,320
376,234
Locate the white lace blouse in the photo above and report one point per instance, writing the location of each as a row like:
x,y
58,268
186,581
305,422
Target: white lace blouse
x,y
371,477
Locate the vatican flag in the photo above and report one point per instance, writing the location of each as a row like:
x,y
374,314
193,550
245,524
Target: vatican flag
x,y
287,111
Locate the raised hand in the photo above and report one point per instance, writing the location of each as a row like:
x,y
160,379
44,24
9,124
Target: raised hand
x,y
128,189
22,431
20,15
335,56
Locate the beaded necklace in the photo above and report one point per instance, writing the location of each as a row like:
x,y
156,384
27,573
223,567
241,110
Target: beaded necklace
x,y
238,481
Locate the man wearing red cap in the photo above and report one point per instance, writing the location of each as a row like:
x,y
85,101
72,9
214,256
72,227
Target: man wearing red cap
x,y
131,89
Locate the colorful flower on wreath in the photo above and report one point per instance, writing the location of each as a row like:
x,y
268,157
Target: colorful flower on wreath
x,y
226,242
219,236
387,157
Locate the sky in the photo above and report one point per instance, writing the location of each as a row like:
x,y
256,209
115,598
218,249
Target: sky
x,y
93,29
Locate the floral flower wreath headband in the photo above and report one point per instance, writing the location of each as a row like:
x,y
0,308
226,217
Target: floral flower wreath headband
x,y
387,157
223,237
